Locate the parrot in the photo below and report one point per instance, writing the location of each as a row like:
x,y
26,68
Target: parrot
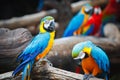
x,y
92,26
110,13
37,49
78,20
92,58
40,5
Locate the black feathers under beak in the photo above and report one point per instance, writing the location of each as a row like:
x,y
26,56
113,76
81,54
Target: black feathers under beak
x,y
89,11
78,61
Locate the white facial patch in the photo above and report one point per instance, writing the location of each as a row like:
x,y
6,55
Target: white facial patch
x,y
95,10
81,55
87,9
99,10
47,23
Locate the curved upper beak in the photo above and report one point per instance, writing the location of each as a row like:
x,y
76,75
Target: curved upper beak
x,y
51,27
89,10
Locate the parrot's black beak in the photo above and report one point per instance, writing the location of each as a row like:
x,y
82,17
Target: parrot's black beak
x,y
78,61
51,27
89,10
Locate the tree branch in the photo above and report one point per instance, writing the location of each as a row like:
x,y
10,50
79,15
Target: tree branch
x,y
42,71
34,19
26,20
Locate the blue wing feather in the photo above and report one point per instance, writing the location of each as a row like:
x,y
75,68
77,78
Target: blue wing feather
x,y
37,45
90,30
27,70
101,58
74,24
21,66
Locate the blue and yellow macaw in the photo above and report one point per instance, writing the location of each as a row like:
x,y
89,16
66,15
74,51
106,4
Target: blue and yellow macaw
x,y
38,47
93,59
78,20
92,26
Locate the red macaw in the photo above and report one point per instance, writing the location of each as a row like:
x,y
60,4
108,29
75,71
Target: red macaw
x,y
112,9
111,13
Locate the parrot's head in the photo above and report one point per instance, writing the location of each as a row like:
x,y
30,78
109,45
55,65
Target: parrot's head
x,y
97,10
47,24
87,9
80,51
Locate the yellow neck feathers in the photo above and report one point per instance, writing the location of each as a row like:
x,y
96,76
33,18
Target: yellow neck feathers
x,y
41,29
82,10
87,50
47,49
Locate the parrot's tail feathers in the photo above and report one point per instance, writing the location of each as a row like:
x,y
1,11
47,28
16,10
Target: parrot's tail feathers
x,y
19,56
20,67
26,72
17,70
107,77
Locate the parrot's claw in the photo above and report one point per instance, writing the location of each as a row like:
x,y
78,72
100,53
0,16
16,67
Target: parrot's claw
x,y
50,64
40,61
87,76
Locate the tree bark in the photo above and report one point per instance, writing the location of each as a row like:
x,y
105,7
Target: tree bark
x,y
60,55
12,42
34,19
62,12
43,71
27,20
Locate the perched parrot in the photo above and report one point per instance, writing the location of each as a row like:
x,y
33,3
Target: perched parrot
x,y
78,20
110,13
37,48
93,60
40,5
92,26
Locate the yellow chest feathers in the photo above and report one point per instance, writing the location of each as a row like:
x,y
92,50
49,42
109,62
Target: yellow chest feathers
x,y
47,49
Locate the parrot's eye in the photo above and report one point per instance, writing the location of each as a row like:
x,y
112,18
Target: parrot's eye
x,y
49,25
81,55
